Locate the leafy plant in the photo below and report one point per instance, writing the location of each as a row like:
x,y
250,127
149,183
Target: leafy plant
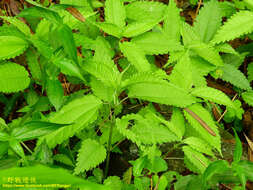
x,y
111,58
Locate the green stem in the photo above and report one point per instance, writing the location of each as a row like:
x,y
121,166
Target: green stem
x,y
109,144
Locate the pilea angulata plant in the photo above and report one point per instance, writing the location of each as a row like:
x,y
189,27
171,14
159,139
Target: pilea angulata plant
x,y
113,57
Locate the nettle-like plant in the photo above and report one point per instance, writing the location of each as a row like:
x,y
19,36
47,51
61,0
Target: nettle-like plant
x,y
114,60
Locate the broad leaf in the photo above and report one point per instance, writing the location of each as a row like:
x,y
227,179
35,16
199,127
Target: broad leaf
x,y
55,92
235,77
11,47
161,92
239,24
34,129
14,78
213,95
90,155
208,21
136,56
156,43
248,97
115,12
19,24
172,21
79,113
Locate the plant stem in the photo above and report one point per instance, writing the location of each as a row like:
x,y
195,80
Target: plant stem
x,y
109,144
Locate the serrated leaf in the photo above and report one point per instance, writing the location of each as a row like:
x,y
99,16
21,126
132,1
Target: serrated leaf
x,y
68,67
161,92
142,131
250,72
237,25
79,113
55,92
196,158
109,28
107,74
199,145
11,47
213,95
14,78
65,37
172,21
137,28
156,43
178,122
182,73
145,10
115,12
208,53
135,55
62,158
189,35
248,97
33,64
208,20
18,23
235,77
213,141
90,155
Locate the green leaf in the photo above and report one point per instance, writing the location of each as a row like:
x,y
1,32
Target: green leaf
x,y
250,72
208,53
237,25
156,43
135,55
204,115
68,67
238,148
248,97
34,129
34,65
103,51
90,155
219,166
199,145
65,36
178,123
79,112
139,27
172,21
114,182
195,158
14,78
107,74
115,12
55,92
62,158
189,35
46,175
17,148
4,136
161,92
41,12
11,47
109,28
235,77
182,73
19,24
208,20
213,95
145,10
142,132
